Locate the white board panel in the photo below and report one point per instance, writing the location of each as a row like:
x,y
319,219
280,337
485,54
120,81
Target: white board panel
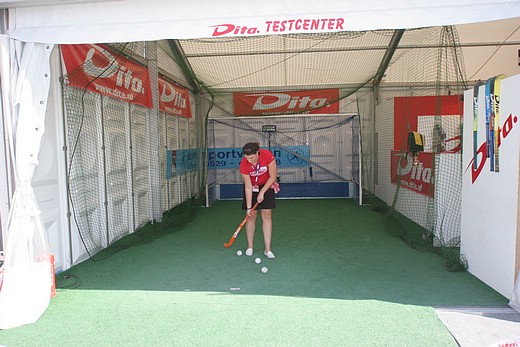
x,y
490,199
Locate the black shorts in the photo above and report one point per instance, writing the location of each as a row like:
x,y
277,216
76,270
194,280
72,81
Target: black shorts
x,y
269,199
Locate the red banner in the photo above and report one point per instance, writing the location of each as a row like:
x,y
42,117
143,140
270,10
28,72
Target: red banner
x,y
419,113
99,70
408,110
292,102
173,99
414,177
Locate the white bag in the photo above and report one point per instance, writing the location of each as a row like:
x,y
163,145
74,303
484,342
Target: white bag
x,y
25,290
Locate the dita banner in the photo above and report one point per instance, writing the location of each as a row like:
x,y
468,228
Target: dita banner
x,y
173,99
292,102
100,70
414,177
439,120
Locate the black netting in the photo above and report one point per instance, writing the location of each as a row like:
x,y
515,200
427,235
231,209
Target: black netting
x,y
129,164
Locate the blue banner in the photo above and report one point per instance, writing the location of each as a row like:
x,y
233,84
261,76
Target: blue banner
x,y
230,157
181,161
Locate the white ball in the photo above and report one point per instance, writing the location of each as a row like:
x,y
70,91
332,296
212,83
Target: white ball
x,y
239,253
264,270
258,260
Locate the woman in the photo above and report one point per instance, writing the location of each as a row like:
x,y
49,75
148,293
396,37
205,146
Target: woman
x,y
258,170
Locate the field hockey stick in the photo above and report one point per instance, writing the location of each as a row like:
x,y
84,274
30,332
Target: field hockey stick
x,y
235,234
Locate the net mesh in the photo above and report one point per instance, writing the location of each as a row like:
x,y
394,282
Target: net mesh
x,y
309,151
120,168
394,82
422,205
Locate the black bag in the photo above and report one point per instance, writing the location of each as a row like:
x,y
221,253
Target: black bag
x,y
415,142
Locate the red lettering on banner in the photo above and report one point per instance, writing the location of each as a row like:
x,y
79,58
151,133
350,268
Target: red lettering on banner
x,y
282,26
174,99
508,125
482,150
322,24
97,69
457,147
224,29
414,177
308,101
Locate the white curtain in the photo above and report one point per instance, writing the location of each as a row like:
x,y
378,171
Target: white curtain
x,y
27,276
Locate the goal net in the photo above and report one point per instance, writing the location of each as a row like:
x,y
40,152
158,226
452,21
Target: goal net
x,y
316,156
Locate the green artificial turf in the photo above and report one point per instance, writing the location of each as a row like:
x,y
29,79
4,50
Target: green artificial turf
x,y
338,280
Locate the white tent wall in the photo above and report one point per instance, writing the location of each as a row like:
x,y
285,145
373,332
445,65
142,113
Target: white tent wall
x,y
50,175
26,284
384,126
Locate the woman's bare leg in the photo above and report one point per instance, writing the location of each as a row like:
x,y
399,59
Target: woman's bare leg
x,y
250,229
267,228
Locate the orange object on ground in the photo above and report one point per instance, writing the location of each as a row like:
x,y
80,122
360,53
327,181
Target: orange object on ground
x,y
53,277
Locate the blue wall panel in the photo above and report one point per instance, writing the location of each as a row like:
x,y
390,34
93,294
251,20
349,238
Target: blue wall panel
x,y
295,190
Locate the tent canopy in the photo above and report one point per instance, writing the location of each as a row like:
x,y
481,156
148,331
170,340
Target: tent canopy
x,y
273,45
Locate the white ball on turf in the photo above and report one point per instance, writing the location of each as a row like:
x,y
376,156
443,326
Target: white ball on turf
x,y
264,270
258,260
239,253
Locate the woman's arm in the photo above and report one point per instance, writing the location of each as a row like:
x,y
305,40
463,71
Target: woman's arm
x,y
248,190
272,177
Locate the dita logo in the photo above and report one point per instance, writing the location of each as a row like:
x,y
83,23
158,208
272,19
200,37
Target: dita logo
x,y
170,95
503,132
225,29
417,172
269,101
282,26
123,76
475,105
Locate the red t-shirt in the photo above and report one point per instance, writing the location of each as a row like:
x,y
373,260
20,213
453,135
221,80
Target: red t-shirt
x,y
259,173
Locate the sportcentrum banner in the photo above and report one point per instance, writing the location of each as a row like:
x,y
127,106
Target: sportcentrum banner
x,y
293,102
230,157
99,70
181,161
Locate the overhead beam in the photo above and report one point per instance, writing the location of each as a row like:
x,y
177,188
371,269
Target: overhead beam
x,y
392,46
353,49
184,64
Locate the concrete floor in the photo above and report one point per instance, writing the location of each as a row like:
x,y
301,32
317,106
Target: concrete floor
x,y
482,326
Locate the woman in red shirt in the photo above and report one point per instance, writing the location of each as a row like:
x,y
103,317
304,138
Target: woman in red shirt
x,y
258,170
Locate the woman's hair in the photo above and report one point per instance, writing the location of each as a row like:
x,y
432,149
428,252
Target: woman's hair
x,y
250,148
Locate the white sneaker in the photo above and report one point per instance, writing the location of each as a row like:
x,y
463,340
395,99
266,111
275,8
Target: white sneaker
x,y
249,252
269,255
